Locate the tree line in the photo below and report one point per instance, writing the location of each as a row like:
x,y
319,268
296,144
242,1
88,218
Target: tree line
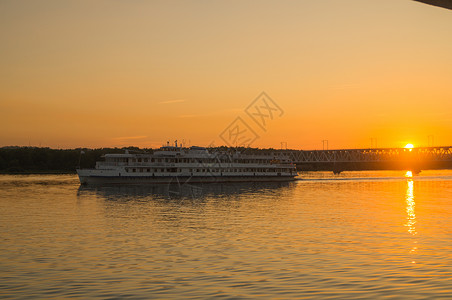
x,y
47,160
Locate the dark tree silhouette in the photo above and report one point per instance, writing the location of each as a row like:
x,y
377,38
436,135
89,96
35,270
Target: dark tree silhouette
x,y
441,3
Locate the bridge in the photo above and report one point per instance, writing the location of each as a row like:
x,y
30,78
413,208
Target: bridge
x,y
415,159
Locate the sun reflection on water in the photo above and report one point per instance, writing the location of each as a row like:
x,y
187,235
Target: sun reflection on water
x,y
410,208
411,214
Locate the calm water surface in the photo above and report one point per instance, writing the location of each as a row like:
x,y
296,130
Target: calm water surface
x,y
357,235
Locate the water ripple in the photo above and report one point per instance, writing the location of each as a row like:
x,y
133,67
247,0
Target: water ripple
x,y
350,238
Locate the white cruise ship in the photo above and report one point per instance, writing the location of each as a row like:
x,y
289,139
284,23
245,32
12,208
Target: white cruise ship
x,y
172,164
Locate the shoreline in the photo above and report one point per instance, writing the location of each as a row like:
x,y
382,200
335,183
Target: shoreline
x,y
39,173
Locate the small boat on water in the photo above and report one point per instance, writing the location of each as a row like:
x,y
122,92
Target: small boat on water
x,y
172,164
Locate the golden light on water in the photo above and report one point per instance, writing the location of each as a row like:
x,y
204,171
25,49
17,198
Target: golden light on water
x,y
410,208
411,214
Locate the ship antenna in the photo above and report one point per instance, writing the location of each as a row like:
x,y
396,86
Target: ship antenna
x,y
80,158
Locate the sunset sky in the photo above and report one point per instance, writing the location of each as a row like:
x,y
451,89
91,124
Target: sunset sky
x,y
120,73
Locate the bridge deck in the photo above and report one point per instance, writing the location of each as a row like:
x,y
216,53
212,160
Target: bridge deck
x,y
371,159
372,155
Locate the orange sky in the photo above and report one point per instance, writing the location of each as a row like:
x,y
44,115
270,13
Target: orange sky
x,y
119,73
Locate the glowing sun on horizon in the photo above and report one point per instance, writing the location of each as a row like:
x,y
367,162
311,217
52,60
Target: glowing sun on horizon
x,y
409,146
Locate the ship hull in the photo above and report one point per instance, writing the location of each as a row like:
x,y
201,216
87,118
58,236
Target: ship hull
x,y
100,180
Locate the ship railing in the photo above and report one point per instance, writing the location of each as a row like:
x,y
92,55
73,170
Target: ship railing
x,y
135,164
194,165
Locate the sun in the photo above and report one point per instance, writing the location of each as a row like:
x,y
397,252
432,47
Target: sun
x,y
409,147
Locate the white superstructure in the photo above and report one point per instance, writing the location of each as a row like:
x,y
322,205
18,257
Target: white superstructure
x,y
194,164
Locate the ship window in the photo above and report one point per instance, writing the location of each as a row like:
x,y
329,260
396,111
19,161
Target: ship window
x,y
134,170
149,170
139,160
